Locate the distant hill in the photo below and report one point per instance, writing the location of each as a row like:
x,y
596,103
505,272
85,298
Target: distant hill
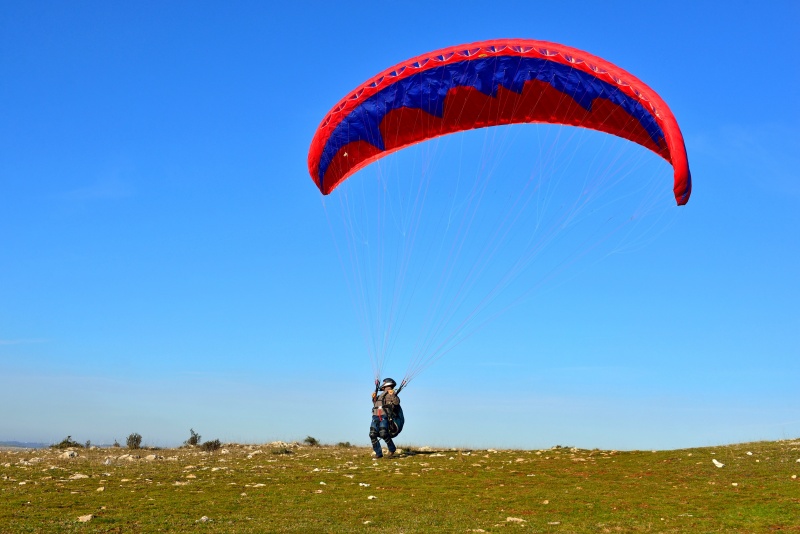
x,y
23,444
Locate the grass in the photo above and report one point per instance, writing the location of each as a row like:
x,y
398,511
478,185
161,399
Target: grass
x,y
327,489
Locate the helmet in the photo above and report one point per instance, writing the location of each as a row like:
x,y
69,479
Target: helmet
x,y
388,382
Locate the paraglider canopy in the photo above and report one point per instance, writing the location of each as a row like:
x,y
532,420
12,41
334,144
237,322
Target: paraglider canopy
x,y
439,250
490,83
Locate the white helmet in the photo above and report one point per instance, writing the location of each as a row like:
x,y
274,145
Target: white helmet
x,y
388,382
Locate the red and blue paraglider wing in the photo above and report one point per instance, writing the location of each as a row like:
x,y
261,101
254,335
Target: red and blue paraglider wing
x,y
487,84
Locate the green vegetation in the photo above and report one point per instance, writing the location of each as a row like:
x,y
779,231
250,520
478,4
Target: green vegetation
x,y
211,446
134,441
194,438
335,489
67,443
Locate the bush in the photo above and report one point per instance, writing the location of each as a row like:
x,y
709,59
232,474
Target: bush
x,y
282,450
194,438
311,442
67,443
345,444
134,441
211,446
116,444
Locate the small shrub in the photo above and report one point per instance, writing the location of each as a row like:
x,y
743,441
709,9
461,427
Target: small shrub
x,y
116,444
345,444
134,441
67,443
211,446
311,442
282,450
194,438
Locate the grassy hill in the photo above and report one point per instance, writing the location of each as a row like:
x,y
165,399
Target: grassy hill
x,y
280,488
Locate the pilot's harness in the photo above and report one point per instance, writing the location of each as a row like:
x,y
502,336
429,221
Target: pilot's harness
x,y
394,430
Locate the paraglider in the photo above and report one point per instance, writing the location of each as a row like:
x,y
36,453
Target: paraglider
x,y
457,89
387,416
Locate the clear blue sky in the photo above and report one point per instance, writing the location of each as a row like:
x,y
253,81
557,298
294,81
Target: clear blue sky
x,y
165,260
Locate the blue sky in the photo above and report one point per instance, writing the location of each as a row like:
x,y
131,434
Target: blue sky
x,y
166,263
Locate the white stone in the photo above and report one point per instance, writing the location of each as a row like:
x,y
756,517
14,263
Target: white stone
x,y
85,518
718,464
68,454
